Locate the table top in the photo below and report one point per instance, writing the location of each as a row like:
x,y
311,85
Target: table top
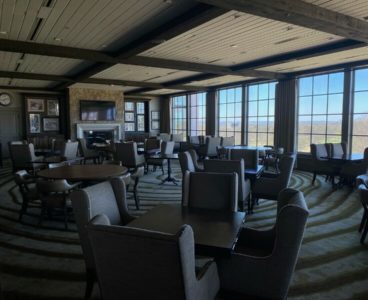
x,y
215,232
165,156
83,172
256,171
240,147
352,156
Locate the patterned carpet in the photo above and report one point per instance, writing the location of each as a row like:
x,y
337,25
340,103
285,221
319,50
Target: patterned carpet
x,y
46,262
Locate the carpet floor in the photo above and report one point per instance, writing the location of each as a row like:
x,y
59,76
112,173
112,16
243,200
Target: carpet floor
x,y
46,262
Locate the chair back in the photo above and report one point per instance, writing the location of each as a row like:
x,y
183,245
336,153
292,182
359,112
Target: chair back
x,y
83,146
227,141
228,166
318,151
125,257
70,150
107,198
57,146
127,154
250,157
211,144
286,166
165,137
217,191
167,147
152,144
21,155
186,162
22,178
194,139
177,137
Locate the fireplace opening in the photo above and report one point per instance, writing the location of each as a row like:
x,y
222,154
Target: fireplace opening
x,y
98,136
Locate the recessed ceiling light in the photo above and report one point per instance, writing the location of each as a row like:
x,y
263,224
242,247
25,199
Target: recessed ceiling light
x,y
104,46
289,28
58,39
236,16
233,46
3,32
112,84
243,52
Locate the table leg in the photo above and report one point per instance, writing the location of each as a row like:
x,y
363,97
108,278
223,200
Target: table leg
x,y
169,178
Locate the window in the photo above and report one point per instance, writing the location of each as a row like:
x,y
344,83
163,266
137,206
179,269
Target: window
x,y
320,104
360,111
135,116
197,116
261,114
230,113
179,114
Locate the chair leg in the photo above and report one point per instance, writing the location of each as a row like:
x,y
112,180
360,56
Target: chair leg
x,y
364,233
135,193
66,217
364,220
90,280
314,177
23,209
162,169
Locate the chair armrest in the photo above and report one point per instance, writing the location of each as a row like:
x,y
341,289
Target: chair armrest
x,y
201,270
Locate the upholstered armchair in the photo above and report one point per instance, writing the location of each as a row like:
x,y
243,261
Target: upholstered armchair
x,y
27,187
88,154
269,185
320,163
230,166
152,146
177,139
263,261
165,137
250,157
166,148
362,183
24,158
217,191
128,257
107,198
209,149
127,155
336,149
189,161
351,170
273,158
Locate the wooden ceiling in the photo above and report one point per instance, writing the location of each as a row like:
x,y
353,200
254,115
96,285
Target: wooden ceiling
x,y
156,47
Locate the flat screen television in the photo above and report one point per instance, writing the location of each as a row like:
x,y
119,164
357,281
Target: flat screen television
x,y
97,110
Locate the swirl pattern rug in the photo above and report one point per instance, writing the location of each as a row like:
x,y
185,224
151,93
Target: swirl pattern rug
x,y
45,262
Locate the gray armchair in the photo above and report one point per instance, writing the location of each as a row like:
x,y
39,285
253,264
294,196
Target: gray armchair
x,y
177,139
320,164
127,257
362,183
269,185
127,155
88,153
189,161
263,262
217,191
351,170
107,198
209,149
166,148
165,137
23,157
250,157
336,149
230,166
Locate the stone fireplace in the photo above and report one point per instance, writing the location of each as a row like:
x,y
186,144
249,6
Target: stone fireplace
x,y
96,132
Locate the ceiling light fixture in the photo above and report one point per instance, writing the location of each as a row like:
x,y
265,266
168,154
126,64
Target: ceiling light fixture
x,y
233,46
58,39
3,32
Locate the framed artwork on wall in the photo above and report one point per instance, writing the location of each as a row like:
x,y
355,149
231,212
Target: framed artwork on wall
x,y
35,105
155,125
129,117
53,107
155,115
34,123
50,124
129,106
129,126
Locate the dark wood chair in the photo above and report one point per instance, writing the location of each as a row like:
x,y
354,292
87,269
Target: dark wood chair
x,y
362,182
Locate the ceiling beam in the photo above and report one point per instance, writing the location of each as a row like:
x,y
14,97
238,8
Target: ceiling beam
x,y
300,13
104,57
144,84
29,89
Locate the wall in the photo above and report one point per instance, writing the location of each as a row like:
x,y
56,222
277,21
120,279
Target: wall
x,y
77,94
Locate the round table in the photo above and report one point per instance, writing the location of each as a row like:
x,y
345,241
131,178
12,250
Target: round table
x,y
83,172
239,147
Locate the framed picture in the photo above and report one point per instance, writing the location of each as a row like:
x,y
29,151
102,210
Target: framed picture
x,y
129,126
129,106
140,123
155,115
34,123
50,124
53,107
155,125
129,117
36,105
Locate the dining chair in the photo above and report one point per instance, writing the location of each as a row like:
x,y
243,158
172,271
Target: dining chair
x,y
273,158
362,183
88,154
351,169
165,137
263,261
189,161
336,149
269,185
250,156
178,139
216,191
127,257
230,166
109,198
166,148
209,148
152,146
127,154
27,188
23,157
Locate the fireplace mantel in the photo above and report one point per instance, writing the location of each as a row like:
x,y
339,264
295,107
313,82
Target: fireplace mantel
x,y
116,127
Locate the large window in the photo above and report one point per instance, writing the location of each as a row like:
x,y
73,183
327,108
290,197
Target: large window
x,y
320,109
230,113
197,114
261,114
179,115
360,111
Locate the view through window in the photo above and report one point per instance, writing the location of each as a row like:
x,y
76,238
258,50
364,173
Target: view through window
x,y
179,114
197,117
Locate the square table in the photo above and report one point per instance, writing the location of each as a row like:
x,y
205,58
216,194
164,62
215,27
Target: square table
x,y
215,232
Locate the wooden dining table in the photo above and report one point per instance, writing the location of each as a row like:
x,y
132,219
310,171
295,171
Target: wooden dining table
x,y
215,232
84,172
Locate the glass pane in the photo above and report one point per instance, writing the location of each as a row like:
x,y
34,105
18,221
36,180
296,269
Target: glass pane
x,y
271,90
238,94
333,139
305,105
253,92
222,124
320,104
252,124
271,124
230,110
252,139
262,124
318,139
361,102
320,84
361,80
336,83
222,110
237,124
271,107
335,104
305,86
359,144
262,108
304,125
238,109
252,108
263,91
230,95
222,96
237,138
334,123
303,143
230,125
360,124
319,124
270,139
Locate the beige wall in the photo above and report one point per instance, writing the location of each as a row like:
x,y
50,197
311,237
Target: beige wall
x,y
77,94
